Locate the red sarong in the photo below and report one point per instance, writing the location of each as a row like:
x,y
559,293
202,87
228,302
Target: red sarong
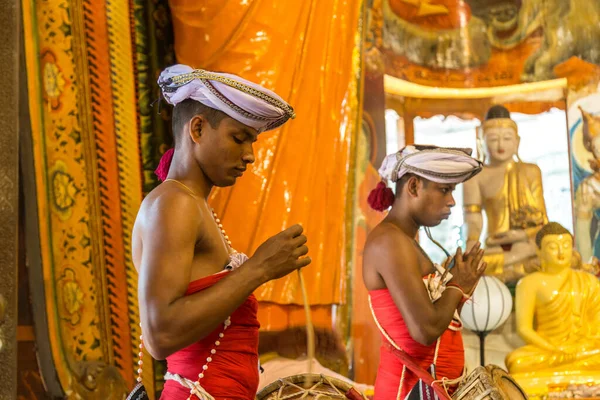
x,y
450,361
233,372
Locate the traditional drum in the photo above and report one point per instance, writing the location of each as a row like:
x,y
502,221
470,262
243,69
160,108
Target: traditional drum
x,y
489,383
309,386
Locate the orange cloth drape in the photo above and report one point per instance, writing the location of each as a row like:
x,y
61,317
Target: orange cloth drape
x,y
365,334
306,52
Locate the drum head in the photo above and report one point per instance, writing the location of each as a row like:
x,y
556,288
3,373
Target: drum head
x,y
509,387
305,386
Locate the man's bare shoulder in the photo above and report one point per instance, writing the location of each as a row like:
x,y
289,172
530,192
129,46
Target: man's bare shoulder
x,y
387,252
169,202
387,237
168,218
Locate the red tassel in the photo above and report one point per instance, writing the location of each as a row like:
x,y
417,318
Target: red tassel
x,y
381,198
163,166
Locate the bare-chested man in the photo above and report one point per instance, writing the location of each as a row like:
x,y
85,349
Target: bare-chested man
x,y
195,292
407,292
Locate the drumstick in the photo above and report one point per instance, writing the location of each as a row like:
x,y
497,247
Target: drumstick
x,y
310,329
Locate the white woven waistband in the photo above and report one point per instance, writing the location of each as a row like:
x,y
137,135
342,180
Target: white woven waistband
x,y
194,387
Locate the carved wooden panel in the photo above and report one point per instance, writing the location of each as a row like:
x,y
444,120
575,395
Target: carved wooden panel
x,y
9,209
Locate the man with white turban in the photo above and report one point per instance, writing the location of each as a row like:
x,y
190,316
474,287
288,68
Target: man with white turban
x,y
415,302
195,292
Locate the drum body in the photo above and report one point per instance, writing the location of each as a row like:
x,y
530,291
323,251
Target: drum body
x,y
309,386
489,383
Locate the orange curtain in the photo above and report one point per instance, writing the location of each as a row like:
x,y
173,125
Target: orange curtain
x,y
366,338
307,52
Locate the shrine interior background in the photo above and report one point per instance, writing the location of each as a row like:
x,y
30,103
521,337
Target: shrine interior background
x,y
366,77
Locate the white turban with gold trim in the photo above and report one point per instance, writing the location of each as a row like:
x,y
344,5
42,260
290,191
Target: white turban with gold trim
x,y
437,164
242,100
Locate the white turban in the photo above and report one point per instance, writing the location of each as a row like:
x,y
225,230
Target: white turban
x,y
242,100
437,164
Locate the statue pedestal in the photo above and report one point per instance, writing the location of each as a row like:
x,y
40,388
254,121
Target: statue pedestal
x,y
537,385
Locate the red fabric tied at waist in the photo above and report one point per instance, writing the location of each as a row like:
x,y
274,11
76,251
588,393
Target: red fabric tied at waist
x,y
450,360
233,372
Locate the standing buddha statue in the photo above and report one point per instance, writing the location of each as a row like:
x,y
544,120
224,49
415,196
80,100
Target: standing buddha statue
x,y
510,192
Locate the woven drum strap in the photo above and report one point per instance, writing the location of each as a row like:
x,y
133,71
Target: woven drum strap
x,y
408,361
138,393
416,369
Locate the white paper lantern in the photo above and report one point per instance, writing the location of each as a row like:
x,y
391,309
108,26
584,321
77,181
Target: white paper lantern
x,y
489,306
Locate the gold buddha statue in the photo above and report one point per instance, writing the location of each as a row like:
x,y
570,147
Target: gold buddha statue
x,y
557,315
510,192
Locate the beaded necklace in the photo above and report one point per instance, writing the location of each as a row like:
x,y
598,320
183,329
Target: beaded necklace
x,y
226,324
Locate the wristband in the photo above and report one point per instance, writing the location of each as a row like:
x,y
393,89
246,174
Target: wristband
x,y
456,285
465,296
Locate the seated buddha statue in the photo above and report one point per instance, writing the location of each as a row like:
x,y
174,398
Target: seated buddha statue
x,y
511,195
557,312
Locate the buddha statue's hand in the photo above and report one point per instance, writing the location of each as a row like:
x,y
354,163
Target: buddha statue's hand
x,y
567,349
568,353
509,237
468,268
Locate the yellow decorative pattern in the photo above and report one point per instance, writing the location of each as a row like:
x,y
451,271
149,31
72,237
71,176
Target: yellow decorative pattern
x,y
69,246
70,297
54,82
128,149
82,98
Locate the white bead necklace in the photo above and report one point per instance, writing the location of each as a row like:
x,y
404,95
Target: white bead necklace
x,y
226,324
